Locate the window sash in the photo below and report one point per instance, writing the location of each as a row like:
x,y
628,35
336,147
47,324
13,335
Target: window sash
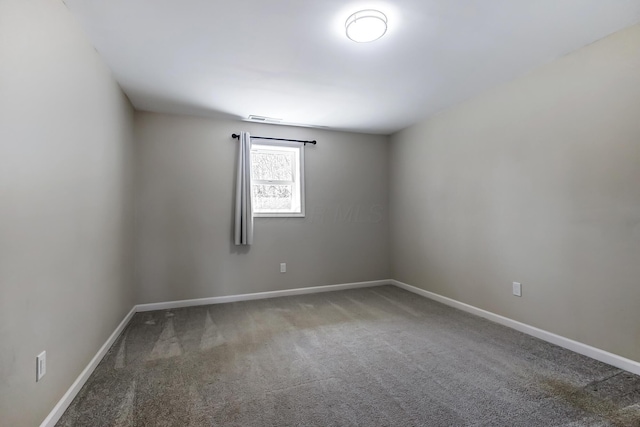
x,y
297,185
269,182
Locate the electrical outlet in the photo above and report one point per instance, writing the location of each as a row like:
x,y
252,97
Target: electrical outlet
x,y
283,267
517,289
41,365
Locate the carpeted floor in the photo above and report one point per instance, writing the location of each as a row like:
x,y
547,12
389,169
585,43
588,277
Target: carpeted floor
x,y
366,357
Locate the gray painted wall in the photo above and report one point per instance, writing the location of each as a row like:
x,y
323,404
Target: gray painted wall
x,y
185,175
66,213
536,181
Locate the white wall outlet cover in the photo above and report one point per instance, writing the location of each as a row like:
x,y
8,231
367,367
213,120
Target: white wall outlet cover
x,y
283,267
517,289
41,365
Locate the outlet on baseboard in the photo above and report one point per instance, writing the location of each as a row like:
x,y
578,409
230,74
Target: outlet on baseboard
x,y
517,289
41,365
283,267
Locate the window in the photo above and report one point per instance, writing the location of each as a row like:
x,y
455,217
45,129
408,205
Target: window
x,y
277,180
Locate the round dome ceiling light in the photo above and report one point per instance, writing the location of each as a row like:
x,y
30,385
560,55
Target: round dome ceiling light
x,y
366,26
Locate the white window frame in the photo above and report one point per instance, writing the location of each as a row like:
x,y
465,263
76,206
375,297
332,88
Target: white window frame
x,y
298,169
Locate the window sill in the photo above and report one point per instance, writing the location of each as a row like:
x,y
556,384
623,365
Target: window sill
x,y
279,215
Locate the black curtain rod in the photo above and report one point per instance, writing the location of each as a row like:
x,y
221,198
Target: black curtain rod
x,y
236,136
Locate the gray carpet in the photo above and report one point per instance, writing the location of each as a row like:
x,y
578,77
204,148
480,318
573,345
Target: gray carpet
x,y
366,357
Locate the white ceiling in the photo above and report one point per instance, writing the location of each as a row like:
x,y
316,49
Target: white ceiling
x,y
290,59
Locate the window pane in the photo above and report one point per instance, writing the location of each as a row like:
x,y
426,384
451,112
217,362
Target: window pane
x,y
269,166
272,197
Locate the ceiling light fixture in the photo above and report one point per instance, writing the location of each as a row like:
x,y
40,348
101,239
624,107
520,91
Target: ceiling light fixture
x,y
366,26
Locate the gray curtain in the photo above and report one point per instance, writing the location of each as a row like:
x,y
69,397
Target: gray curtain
x,y
244,212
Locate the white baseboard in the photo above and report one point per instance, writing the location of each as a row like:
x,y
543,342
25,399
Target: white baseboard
x,y
68,397
594,353
258,295
578,347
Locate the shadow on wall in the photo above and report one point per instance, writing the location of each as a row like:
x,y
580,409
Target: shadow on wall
x,y
188,108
